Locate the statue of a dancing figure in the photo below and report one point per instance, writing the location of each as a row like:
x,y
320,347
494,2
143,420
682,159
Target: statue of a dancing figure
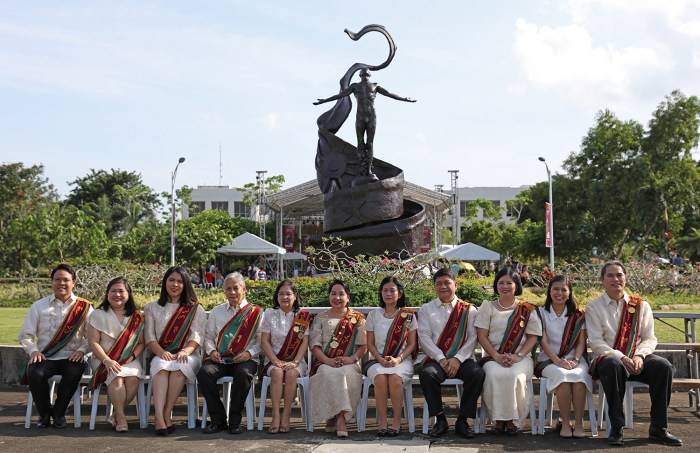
x,y
366,119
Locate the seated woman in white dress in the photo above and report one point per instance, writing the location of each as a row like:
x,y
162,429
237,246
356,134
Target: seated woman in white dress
x,y
115,336
174,331
337,344
562,359
507,330
392,340
284,340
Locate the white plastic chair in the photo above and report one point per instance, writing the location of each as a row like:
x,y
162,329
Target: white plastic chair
x,y
139,400
407,405
627,404
547,404
478,427
52,384
303,385
192,404
533,413
226,381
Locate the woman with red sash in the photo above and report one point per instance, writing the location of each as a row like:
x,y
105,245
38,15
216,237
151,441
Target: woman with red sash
x,y
562,358
284,340
392,340
174,332
507,330
337,344
115,336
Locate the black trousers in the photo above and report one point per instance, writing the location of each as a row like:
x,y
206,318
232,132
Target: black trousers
x,y
657,373
38,375
432,375
242,373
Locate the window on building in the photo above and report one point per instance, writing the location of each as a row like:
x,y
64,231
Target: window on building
x,y
241,209
220,205
496,203
195,208
463,208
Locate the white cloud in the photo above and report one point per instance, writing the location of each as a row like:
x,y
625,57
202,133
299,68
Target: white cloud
x,y
421,138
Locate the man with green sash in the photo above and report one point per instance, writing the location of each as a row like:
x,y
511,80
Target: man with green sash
x,y
232,347
54,336
447,338
621,336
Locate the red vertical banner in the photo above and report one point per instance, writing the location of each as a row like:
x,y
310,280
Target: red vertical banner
x,y
425,246
288,235
548,226
304,242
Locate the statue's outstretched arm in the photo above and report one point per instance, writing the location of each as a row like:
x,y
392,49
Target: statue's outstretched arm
x,y
381,90
342,94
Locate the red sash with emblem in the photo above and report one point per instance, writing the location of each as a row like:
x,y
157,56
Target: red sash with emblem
x,y
69,327
239,331
515,331
342,343
572,333
294,338
627,332
122,348
175,334
396,337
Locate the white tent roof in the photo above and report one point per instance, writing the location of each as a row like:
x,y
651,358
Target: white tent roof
x,y
470,252
250,244
291,256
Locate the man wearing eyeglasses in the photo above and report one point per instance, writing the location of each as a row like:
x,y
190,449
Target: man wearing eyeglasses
x,y
54,336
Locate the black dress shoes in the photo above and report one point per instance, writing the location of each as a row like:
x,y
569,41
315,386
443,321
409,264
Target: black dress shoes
x,y
59,422
44,422
235,429
663,436
440,428
211,428
462,429
171,429
615,437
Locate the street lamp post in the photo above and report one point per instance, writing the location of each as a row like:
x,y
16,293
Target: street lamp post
x,y
551,217
172,220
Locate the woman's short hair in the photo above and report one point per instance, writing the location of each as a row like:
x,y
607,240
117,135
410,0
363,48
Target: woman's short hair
x,y
275,303
130,306
513,274
571,303
345,286
187,297
399,285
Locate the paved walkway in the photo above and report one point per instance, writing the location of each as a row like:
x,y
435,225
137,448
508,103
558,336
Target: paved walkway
x,y
685,422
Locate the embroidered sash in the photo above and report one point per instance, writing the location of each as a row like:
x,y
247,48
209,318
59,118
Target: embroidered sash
x,y
175,334
294,338
396,337
239,331
122,348
69,327
572,333
342,343
514,332
454,334
627,332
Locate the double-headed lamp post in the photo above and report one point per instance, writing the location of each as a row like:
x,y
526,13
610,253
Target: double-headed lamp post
x,y
551,217
172,220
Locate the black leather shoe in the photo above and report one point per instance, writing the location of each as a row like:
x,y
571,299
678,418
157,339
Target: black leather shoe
x,y
615,437
59,422
212,428
44,422
462,429
163,432
663,436
440,428
171,429
235,429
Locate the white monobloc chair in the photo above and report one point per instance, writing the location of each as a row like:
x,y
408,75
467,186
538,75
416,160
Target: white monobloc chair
x,y
303,385
479,426
226,382
139,400
627,404
192,404
533,413
547,405
407,405
52,385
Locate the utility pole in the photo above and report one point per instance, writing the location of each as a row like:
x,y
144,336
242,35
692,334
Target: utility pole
x,y
455,206
260,180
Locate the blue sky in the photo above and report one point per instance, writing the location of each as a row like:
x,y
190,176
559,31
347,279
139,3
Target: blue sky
x,y
136,84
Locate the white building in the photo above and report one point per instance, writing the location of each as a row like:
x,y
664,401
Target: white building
x,y
499,196
224,198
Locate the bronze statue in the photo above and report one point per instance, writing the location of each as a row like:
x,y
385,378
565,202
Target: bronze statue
x,y
366,119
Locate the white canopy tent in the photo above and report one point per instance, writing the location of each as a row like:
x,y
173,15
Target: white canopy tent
x,y
470,252
250,244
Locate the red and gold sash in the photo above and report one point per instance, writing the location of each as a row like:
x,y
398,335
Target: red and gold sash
x,y
294,338
627,332
342,343
175,334
122,348
572,333
239,331
396,337
454,334
69,327
515,331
